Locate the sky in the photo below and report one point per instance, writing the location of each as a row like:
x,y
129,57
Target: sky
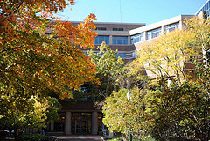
x,y
130,11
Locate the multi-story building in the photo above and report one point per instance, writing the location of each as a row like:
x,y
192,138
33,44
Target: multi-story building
x,y
204,10
83,116
117,37
150,32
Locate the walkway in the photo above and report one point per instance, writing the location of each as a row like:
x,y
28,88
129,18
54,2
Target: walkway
x,y
80,138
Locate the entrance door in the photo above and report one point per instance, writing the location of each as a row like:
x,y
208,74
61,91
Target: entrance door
x,y
81,123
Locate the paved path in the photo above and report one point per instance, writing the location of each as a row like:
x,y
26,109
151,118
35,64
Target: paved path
x,y
80,138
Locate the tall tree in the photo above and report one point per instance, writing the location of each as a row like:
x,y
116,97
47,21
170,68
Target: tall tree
x,y
32,61
108,68
178,111
165,56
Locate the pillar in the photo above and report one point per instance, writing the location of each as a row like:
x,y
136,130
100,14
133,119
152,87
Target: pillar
x,y
162,29
180,26
144,36
94,123
110,40
129,40
68,123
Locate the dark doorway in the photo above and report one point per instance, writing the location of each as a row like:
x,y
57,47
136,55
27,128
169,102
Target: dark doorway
x,y
81,123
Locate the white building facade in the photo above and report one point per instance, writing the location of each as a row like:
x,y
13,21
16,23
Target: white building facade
x,y
149,32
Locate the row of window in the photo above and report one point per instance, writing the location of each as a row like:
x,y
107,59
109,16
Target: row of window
x,y
171,27
116,40
123,40
137,38
114,29
125,55
153,33
206,9
100,38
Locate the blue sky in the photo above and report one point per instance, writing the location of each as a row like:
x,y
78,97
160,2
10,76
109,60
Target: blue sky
x,y
130,11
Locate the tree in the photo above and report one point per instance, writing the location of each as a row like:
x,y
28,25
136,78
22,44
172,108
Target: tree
x,y
165,57
201,29
183,108
124,109
32,62
182,112
179,111
108,68
124,115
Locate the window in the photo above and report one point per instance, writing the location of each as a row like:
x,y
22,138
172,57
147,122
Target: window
x,y
120,40
136,38
117,29
122,55
100,28
130,55
99,39
127,55
171,27
153,33
206,10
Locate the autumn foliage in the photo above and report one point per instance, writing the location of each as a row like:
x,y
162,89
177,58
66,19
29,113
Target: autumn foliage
x,y
170,104
54,60
38,55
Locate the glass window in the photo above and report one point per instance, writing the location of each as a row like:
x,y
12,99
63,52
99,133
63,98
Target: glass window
x,y
117,29
206,10
100,28
99,39
153,33
122,55
209,4
81,123
171,27
131,55
136,38
120,40
127,55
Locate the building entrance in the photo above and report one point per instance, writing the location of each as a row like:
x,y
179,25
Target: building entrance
x,y
81,123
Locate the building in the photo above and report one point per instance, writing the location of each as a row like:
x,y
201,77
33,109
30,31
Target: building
x,y
82,116
150,32
204,10
117,37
